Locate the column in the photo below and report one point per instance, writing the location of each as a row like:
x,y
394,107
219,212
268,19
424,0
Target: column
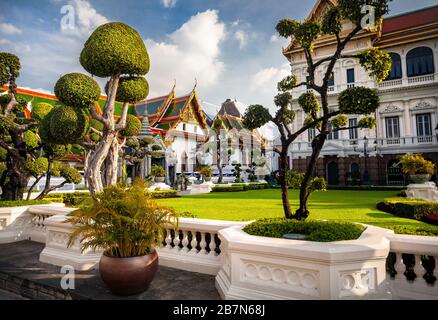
x,y
407,121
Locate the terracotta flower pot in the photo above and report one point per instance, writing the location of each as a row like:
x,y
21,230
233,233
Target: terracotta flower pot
x,y
420,178
128,276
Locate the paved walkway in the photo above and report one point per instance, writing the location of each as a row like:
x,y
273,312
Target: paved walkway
x,y
6,295
23,274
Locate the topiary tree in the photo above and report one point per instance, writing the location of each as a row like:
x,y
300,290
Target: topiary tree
x,y
237,172
18,139
115,51
357,100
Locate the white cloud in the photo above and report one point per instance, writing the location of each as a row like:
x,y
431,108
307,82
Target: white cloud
x,y
192,51
274,38
241,37
10,29
86,19
268,77
168,3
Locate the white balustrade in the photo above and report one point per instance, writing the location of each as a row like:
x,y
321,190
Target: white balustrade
x,y
415,275
197,250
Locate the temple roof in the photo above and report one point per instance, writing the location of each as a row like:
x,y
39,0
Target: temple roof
x,y
229,107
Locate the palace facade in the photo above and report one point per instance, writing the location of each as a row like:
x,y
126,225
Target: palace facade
x,y
407,117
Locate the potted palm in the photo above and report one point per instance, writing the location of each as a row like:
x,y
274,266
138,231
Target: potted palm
x,y
419,169
159,173
206,172
127,225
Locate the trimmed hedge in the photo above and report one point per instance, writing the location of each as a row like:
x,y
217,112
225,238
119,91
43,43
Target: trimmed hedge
x,y
20,203
367,188
410,208
320,231
235,188
161,194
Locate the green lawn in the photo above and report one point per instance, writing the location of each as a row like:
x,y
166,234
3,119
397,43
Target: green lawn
x,y
351,206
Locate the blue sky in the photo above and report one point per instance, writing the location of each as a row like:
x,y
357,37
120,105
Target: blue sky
x,y
228,45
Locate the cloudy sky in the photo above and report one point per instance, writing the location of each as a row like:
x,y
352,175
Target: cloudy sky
x,y
229,46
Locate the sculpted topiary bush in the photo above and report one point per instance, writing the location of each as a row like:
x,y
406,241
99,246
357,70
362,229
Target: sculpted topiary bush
x,y
77,90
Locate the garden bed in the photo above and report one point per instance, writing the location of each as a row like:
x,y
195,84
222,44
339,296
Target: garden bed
x,y
319,231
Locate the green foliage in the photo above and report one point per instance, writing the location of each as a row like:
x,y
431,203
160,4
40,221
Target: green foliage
x,y
3,154
122,222
255,117
21,103
287,84
22,203
416,164
294,179
320,231
56,150
377,62
66,125
31,139
206,171
367,123
40,110
351,9
37,167
358,100
287,27
226,188
310,119
115,48
71,175
410,208
132,89
9,67
283,99
163,194
340,121
77,90
308,101
285,115
96,124
237,171
331,22
306,34
317,184
133,126
158,171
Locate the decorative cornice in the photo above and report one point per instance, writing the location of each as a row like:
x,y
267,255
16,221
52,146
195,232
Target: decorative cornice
x,y
423,105
391,109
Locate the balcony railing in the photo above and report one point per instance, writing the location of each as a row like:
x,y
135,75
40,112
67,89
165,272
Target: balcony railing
x,y
354,145
405,82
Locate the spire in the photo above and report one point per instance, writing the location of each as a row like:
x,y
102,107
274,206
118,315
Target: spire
x,y
145,130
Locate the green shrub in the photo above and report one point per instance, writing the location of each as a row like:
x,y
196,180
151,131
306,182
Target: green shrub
x,y
409,208
232,188
366,188
19,203
161,194
320,231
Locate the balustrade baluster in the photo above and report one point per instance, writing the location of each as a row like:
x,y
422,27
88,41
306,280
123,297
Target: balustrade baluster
x,y
203,244
168,239
176,241
399,266
418,268
212,245
185,241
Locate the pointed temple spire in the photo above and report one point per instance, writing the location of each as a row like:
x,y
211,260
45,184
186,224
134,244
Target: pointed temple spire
x,y
145,130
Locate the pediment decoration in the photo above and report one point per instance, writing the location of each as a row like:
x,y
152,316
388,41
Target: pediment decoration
x,y
391,109
423,105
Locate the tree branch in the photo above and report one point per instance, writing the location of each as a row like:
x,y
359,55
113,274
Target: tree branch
x,y
98,117
122,122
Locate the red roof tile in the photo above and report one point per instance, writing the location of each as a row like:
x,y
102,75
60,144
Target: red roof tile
x,y
410,19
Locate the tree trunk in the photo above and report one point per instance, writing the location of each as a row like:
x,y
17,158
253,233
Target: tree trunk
x,y
284,185
46,191
110,166
302,213
29,193
17,179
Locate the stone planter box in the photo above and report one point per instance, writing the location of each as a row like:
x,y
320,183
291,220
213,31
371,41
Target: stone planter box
x,y
266,268
420,178
160,179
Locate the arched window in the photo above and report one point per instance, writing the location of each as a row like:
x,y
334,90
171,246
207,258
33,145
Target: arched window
x,y
420,62
396,68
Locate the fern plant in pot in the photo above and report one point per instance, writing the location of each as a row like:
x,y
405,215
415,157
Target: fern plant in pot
x,y
127,225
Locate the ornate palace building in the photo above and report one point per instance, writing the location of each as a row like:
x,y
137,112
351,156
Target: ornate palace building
x,y
407,116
